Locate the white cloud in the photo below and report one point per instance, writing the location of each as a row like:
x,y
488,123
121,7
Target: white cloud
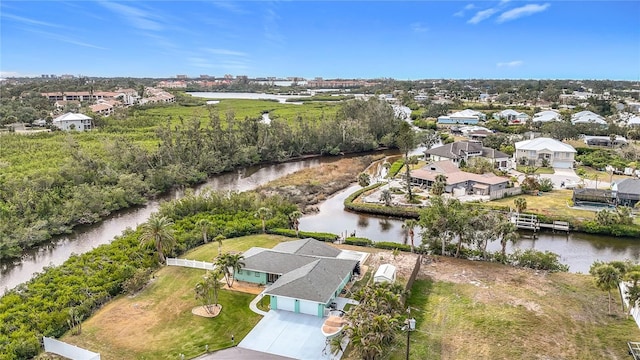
x,y
522,11
418,27
138,18
467,7
482,15
510,64
229,6
226,52
29,21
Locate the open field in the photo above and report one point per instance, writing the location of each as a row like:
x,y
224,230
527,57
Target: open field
x,y
157,322
477,310
553,203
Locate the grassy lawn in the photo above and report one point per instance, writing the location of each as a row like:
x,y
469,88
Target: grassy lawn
x,y
540,170
521,315
157,323
553,203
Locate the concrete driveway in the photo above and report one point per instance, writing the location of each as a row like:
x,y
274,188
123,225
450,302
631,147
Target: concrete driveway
x,y
285,333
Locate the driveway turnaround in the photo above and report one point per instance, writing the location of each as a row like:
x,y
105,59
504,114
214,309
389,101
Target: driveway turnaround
x,y
289,334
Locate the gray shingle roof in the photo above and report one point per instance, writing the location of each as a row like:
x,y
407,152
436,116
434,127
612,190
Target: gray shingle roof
x,y
316,281
493,153
308,246
629,186
274,262
455,150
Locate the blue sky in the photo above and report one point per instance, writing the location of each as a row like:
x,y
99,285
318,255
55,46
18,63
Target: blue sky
x,y
348,39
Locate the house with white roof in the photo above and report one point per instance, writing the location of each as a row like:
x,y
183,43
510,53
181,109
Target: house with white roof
x,y
465,117
73,121
535,151
546,116
634,121
587,117
514,117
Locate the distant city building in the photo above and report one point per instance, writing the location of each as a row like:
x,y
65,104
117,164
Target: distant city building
x,y
181,77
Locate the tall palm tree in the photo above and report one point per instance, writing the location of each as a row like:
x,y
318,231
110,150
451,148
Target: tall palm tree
x,y
158,231
219,239
409,225
607,279
263,214
229,263
204,225
294,219
508,232
406,141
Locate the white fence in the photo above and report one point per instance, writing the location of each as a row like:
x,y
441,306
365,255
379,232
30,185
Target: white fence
x,y
67,350
635,311
190,263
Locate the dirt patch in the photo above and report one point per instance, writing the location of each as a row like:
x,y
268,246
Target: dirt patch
x,y
202,311
404,262
245,287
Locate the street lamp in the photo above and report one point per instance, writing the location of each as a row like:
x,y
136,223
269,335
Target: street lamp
x,y
410,326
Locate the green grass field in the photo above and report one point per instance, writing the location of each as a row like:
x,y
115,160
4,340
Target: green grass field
x,y
157,323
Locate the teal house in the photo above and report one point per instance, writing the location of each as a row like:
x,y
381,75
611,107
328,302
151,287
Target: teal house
x,y
302,276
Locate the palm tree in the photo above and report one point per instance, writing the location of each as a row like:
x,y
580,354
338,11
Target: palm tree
x,y
409,225
438,187
294,219
607,278
204,225
364,179
263,213
508,233
207,290
520,204
633,291
219,239
386,197
159,232
406,141
229,263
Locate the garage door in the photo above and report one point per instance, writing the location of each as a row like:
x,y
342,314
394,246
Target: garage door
x,y
286,304
309,307
563,164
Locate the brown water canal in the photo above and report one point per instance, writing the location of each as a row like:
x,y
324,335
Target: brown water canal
x,y
576,250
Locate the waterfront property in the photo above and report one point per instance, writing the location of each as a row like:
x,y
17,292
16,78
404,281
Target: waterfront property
x,y
536,151
604,140
459,182
466,150
623,193
303,276
73,121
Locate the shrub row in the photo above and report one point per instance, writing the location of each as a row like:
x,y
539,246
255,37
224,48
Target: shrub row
x,y
395,167
358,241
321,236
592,227
395,211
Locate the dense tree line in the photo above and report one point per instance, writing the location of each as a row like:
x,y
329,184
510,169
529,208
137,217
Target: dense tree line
x,y
43,306
90,184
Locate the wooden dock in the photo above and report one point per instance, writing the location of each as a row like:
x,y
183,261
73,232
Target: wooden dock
x,y
531,222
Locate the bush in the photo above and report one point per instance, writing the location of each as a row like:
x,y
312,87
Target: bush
x,y
358,241
546,185
392,246
395,168
592,227
135,283
538,260
321,236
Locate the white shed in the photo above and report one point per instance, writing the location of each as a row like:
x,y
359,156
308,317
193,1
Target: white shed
x,y
386,272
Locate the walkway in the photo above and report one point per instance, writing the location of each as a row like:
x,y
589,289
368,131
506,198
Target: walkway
x,y
254,305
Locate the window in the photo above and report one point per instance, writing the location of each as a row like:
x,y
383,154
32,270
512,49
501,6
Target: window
x,y
257,274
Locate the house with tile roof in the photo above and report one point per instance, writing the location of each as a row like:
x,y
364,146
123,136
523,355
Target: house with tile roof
x,y
536,151
466,150
303,276
462,181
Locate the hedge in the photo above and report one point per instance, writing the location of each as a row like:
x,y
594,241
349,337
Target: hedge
x,y
592,227
358,241
321,236
392,246
403,212
395,168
